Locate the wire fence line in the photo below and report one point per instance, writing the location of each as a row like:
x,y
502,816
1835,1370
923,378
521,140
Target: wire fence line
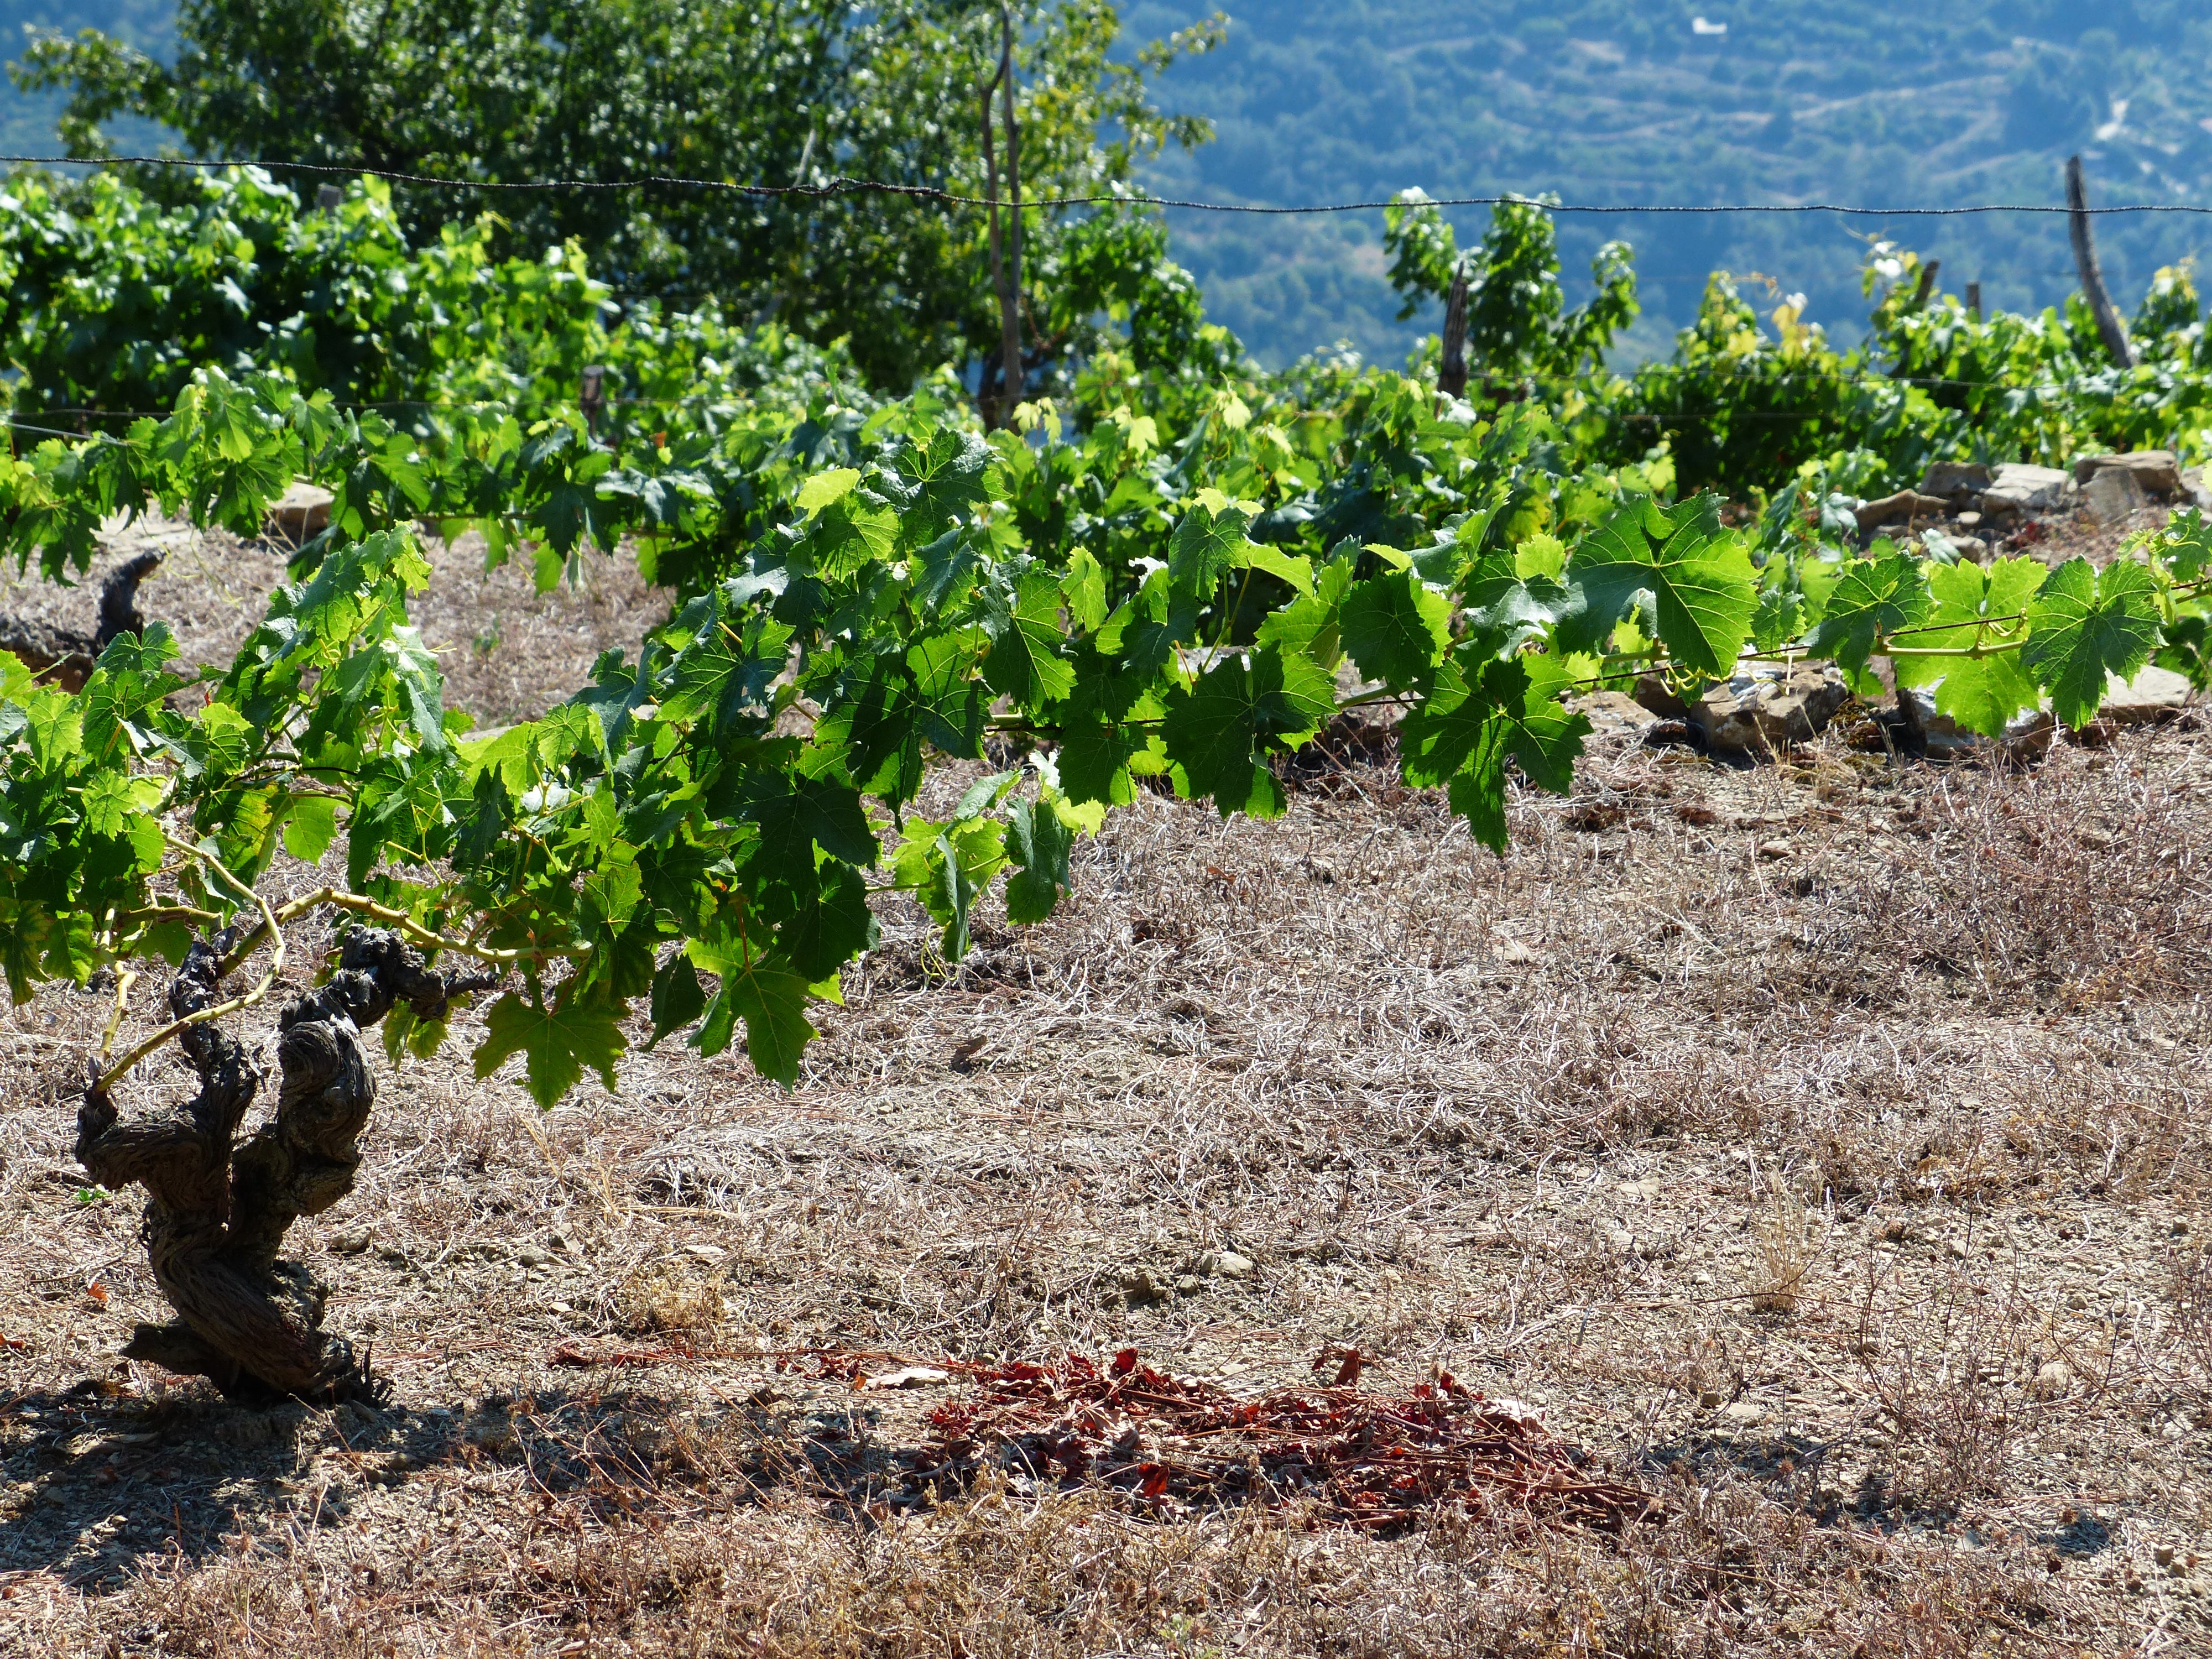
x,y
839,186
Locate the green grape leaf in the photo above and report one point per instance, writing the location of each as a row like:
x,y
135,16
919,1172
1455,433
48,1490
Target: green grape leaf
x,y
1084,588
1213,729
1312,623
678,997
1038,841
311,824
823,487
762,990
1395,628
726,677
405,1034
1703,587
556,1042
1024,663
853,532
945,866
1294,568
833,926
1485,710
2084,628
770,996
1874,597
1972,605
1208,543
948,468
796,814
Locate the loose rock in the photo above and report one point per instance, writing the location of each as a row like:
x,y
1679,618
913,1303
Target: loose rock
x,y
2114,494
1764,707
1955,480
2158,471
300,512
1655,694
1906,507
2027,737
2155,694
1613,715
2019,487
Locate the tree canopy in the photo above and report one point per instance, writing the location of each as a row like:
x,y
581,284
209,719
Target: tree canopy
x,y
784,93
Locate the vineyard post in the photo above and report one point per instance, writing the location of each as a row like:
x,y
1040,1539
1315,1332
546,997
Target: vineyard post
x,y
1010,296
1451,373
2092,277
591,397
992,416
1927,287
1974,300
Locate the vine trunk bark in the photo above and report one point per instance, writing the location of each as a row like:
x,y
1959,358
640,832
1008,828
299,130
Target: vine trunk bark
x,y
216,1211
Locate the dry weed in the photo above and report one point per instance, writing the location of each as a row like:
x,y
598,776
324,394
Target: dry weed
x,y
670,1297
1784,1253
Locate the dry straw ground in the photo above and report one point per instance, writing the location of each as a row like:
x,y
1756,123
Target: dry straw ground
x,y
1820,1146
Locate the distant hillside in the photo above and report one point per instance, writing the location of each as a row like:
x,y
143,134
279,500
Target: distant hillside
x,y
1879,101
27,122
1868,101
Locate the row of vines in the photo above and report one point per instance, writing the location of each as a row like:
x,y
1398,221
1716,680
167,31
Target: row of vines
x,y
1169,565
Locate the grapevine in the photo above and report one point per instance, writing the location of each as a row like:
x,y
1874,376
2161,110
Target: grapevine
x,y
1173,578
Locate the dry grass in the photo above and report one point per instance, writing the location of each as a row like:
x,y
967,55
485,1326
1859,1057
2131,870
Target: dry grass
x,y
1557,1122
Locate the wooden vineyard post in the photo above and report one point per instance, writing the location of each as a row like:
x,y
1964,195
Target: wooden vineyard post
x,y
592,397
997,410
1920,295
1451,373
1974,300
1006,244
2093,277
1010,302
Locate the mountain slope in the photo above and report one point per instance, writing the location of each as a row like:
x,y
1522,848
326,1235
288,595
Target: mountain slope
x,y
1940,102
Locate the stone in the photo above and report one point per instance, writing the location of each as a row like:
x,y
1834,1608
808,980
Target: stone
x,y
1612,714
2028,735
1654,693
2193,492
2020,488
1955,478
2114,496
301,511
1744,1411
2158,471
2155,694
1906,507
1766,706
2052,1380
1139,1287
1230,1264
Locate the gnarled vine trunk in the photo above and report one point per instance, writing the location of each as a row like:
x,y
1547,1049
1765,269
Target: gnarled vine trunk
x,y
217,1211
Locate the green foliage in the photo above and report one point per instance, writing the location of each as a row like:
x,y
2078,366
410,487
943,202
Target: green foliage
x,y
1182,575
506,90
1518,323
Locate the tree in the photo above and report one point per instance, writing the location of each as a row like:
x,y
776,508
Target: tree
x,y
783,93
